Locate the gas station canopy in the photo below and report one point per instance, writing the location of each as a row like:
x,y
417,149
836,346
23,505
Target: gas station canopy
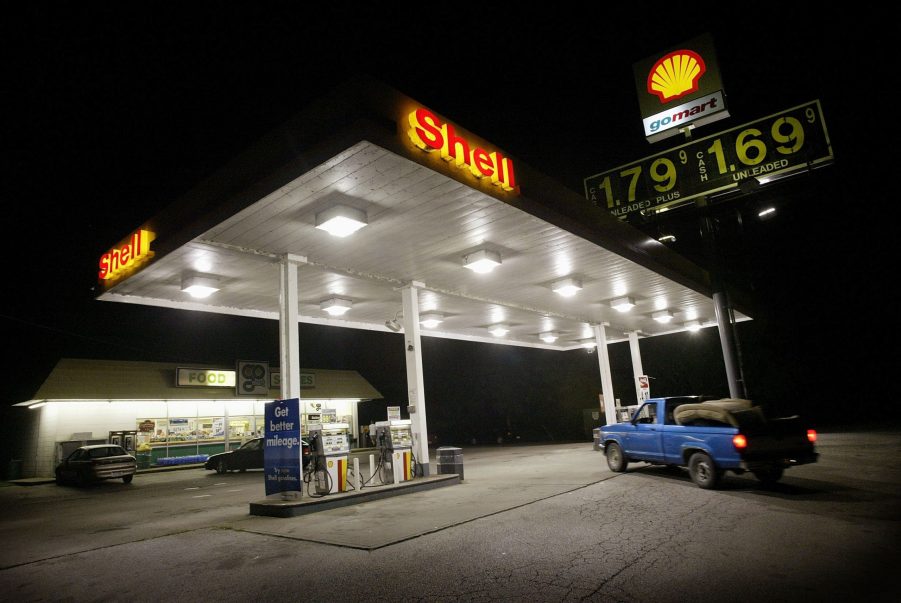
x,y
430,196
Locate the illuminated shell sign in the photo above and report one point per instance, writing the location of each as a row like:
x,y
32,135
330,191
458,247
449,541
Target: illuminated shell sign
x,y
680,88
676,74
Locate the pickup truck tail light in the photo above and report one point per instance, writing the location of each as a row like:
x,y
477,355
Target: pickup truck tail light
x,y
812,436
739,441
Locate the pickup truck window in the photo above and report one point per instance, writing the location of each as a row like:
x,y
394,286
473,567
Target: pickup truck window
x,y
647,414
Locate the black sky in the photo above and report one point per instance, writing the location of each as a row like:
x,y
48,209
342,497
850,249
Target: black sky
x,y
114,110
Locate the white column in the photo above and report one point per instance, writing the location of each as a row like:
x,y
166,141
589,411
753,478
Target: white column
x,y
637,370
600,336
289,335
415,381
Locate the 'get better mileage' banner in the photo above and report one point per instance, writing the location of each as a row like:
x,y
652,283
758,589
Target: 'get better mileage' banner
x,y
282,446
776,145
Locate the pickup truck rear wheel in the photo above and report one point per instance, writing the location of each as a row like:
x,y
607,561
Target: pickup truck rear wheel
x,y
616,460
703,471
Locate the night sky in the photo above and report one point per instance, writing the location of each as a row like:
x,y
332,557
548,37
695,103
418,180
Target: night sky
x,y
114,111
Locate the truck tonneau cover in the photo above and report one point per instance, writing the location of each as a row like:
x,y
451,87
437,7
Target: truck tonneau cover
x,y
728,411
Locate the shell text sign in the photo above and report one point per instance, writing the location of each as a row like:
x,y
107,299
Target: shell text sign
x,y
429,134
116,262
675,75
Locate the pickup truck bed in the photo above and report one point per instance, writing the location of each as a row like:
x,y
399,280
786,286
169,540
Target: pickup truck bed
x,y
709,438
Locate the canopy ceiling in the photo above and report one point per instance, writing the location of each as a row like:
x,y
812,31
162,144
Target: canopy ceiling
x,y
422,219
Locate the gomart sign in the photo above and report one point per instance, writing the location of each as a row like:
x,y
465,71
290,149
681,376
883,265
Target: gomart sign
x,y
680,88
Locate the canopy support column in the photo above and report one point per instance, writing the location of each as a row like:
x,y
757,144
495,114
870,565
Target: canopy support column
x,y
600,336
288,324
415,381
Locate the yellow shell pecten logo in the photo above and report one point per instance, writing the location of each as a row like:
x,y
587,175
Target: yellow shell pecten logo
x,y
675,75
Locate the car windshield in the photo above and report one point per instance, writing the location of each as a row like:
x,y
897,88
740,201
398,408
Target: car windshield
x,y
252,445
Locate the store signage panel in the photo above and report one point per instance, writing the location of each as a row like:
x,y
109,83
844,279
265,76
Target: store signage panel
x,y
252,378
766,149
307,380
282,446
194,377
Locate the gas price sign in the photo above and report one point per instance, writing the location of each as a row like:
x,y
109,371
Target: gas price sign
x,y
774,146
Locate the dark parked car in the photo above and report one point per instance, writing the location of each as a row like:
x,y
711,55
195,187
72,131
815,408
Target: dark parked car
x,y
248,456
96,462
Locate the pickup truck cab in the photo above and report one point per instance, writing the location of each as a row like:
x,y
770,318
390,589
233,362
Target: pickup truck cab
x,y
709,437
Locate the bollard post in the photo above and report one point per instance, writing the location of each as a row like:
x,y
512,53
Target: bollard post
x,y
371,466
359,483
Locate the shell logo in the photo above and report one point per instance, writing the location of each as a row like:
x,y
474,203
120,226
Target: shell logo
x,y
675,75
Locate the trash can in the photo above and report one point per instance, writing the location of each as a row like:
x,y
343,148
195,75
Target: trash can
x,y
143,459
596,432
450,460
14,470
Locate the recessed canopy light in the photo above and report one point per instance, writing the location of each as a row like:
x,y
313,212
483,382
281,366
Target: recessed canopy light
x,y
589,343
622,304
341,220
499,330
482,261
431,320
198,286
567,287
766,213
667,238
336,306
549,337
692,325
663,316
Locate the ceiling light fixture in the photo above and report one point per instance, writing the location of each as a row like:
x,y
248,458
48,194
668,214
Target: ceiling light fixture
x,y
336,306
589,344
392,323
198,286
622,304
766,213
548,337
664,316
431,320
341,220
692,325
667,237
499,330
567,287
482,261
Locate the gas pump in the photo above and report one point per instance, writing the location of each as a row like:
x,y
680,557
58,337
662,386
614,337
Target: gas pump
x,y
330,444
394,439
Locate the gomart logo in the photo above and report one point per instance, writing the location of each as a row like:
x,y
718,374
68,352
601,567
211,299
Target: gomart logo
x,y
137,251
676,75
429,134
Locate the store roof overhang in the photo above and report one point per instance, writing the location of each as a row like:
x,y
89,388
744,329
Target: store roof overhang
x,y
424,214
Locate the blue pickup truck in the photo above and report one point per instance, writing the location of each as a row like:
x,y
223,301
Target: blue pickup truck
x,y
709,437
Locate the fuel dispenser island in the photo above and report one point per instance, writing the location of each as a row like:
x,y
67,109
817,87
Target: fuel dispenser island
x,y
330,445
394,439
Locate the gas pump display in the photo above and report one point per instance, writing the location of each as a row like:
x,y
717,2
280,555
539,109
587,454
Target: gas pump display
x,y
394,439
331,444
